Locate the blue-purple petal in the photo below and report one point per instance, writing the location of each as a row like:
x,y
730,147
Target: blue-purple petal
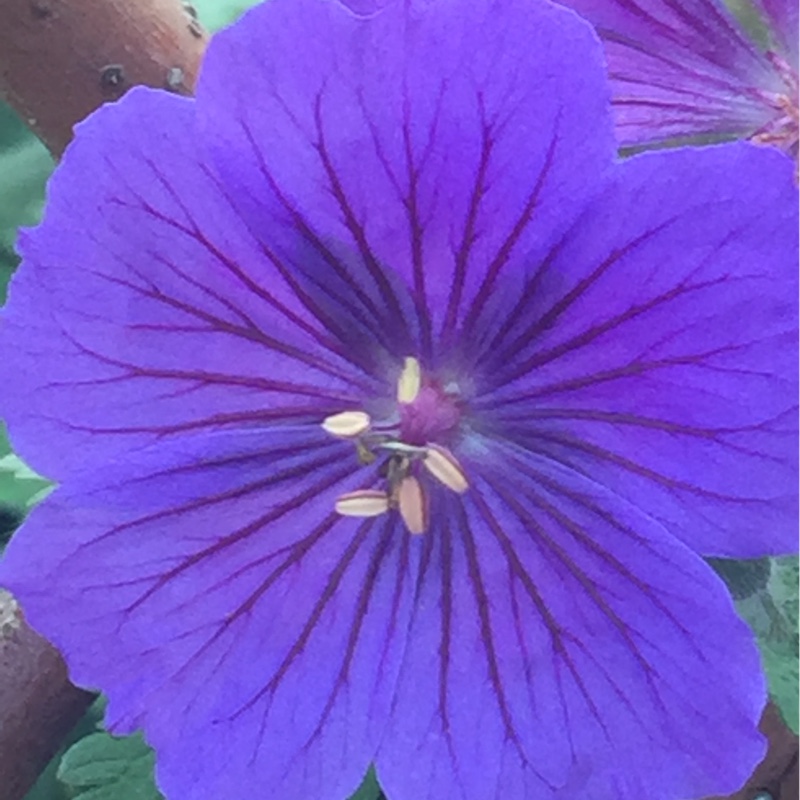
x,y
209,588
565,645
145,307
656,348
429,141
362,182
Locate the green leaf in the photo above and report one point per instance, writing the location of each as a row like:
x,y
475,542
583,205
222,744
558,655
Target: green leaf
x,y
25,166
772,613
216,14
20,486
20,489
743,578
369,789
782,675
105,767
12,129
751,20
25,169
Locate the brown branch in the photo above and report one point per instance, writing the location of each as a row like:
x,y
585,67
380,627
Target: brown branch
x,y
777,774
38,705
60,59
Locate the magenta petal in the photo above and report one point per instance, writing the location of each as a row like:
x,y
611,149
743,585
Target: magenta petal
x,y
681,69
656,350
145,307
565,645
429,139
208,587
781,17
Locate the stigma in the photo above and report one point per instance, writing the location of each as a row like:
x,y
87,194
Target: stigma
x,y
403,450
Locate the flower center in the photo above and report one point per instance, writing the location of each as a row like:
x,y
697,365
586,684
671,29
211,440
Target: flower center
x,y
409,448
783,130
428,413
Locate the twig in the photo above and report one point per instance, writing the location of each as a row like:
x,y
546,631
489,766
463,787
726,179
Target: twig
x,y
38,705
60,59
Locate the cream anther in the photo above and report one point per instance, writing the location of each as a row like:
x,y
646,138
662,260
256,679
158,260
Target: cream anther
x,y
412,504
363,503
444,466
410,381
347,424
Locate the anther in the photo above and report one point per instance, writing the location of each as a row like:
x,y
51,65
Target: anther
x,y
444,466
410,380
363,503
347,425
413,505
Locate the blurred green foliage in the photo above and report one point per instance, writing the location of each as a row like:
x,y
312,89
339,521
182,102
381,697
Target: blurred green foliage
x,y
771,612
25,165
215,14
105,767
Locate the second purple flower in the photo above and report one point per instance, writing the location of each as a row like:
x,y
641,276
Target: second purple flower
x,y
691,71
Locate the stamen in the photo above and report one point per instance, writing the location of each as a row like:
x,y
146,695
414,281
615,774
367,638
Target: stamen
x,y
444,466
408,385
364,454
363,503
399,444
347,424
402,447
413,505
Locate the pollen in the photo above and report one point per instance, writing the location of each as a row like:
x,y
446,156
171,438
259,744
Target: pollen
x,y
410,381
347,424
444,466
363,503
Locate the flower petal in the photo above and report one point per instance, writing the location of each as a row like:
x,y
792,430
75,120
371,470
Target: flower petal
x,y
565,645
145,307
782,20
656,349
680,69
435,140
209,588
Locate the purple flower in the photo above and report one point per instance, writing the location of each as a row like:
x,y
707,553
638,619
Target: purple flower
x,y
392,416
689,70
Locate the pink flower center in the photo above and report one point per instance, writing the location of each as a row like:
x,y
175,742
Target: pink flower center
x,y
433,416
410,451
